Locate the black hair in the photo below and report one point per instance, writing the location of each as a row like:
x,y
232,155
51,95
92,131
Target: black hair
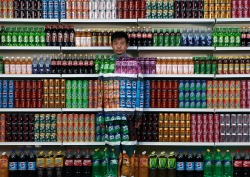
x,y
119,35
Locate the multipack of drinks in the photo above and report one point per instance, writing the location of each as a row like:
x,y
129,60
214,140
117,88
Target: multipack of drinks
x,y
217,9
240,9
7,96
130,9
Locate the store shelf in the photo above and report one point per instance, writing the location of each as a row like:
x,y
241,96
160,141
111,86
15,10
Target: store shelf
x,y
83,143
80,75
30,110
98,21
175,144
30,143
119,109
195,110
178,75
232,144
232,110
225,76
18,20
193,21
232,48
39,76
79,109
93,48
29,48
176,48
232,20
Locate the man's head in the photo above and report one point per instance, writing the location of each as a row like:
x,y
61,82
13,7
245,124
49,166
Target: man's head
x,y
119,42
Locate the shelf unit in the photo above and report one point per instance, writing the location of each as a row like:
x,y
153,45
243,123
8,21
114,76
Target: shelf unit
x,y
16,110
175,144
232,48
225,76
31,144
232,20
191,110
38,48
39,76
180,48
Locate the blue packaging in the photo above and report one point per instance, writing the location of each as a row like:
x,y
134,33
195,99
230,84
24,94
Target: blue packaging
x,y
128,103
128,84
63,5
146,93
128,94
198,85
181,95
1,85
56,15
192,95
198,104
137,103
44,15
5,93
5,103
56,5
203,104
192,104
112,117
181,85
62,14
142,94
11,103
134,92
122,84
203,95
147,84
122,102
138,84
50,5
192,85
197,95
186,85
11,84
44,5
147,103
186,95
50,14
133,102
133,84
11,94
203,85
138,93
119,116
122,93
1,102
181,104
142,86
5,84
187,104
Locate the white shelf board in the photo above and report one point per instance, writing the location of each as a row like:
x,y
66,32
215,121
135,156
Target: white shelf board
x,y
30,76
231,110
30,109
178,75
175,144
80,75
177,110
23,20
232,48
180,48
232,144
79,109
119,109
232,20
51,48
30,143
94,48
232,76
98,21
83,143
176,21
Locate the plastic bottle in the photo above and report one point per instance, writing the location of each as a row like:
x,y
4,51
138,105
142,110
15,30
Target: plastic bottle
x,y
22,164
190,37
69,164
59,164
12,66
171,165
113,164
152,164
184,40
160,38
47,67
218,164
190,164
7,65
134,161
237,164
209,38
4,162
199,167
155,37
143,165
172,38
124,164
13,160
162,164
78,169
31,163
29,66
96,164
246,164
227,164
105,162
35,65
41,64
1,65
178,38
18,66
50,165
197,37
40,165
180,164
203,34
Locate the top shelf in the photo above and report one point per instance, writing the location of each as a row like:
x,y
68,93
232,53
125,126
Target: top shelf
x,y
98,21
232,20
22,20
176,21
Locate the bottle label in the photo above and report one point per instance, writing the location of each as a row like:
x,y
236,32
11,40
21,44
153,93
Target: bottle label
x,y
22,166
78,163
190,166
227,163
180,166
32,166
58,162
12,166
26,39
72,37
113,162
238,163
96,163
37,39
198,166
60,37
3,38
87,163
54,37
69,163
31,39
208,163
246,163
218,163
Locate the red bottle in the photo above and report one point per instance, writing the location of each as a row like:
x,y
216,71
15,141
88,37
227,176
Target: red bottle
x,y
237,164
246,164
69,164
87,164
78,168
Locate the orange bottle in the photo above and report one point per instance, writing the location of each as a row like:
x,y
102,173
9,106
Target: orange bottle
x,y
174,66
190,66
169,65
78,38
29,66
134,165
12,66
180,65
7,65
158,65
23,66
88,38
143,165
163,66
185,65
18,66
4,162
125,171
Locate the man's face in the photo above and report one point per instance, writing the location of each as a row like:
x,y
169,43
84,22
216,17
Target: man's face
x,y
119,46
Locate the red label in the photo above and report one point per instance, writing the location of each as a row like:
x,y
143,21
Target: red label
x,y
149,35
64,63
69,163
87,163
238,163
78,163
246,164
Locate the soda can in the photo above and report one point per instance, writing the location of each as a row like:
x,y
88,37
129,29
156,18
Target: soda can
x,y
198,104
186,85
215,84
197,95
181,104
203,85
186,104
198,85
181,86
226,94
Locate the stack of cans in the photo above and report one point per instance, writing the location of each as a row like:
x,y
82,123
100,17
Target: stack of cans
x,y
59,127
50,9
217,9
159,9
188,9
245,94
6,93
131,9
234,127
240,9
205,128
111,93
100,127
27,8
6,9
2,127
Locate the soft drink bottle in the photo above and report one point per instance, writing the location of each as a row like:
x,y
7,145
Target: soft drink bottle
x,y
197,41
113,164
227,164
59,164
47,65
246,164
190,164
208,164
22,164
78,170
199,168
41,164
184,40
162,164
4,162
31,164
134,165
35,65
237,164
50,165
180,164
41,65
209,38
218,167
13,160
105,162
203,37
190,37
69,164
87,164
171,165
143,165
152,164
96,160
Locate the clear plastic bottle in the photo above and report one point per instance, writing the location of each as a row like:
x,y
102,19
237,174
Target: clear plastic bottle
x,y
35,65
41,65
184,40
190,37
4,162
47,67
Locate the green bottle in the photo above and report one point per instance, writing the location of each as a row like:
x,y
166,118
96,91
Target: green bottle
x,y
160,38
3,36
196,65
20,36
221,37
26,36
178,38
106,65
171,164
9,36
111,65
152,161
215,37
31,37
162,164
1,65
231,37
105,163
14,37
42,36
172,38
227,164
155,37
36,36
202,65
218,164
226,37
102,64
214,66
237,37
208,164
166,38
96,163
113,164
97,66
208,65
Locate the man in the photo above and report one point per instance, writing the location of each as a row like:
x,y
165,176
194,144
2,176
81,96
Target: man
x,y
119,43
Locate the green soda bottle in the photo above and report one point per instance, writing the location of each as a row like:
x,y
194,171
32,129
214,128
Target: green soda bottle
x,y
1,65
202,65
152,164
102,64
227,164
171,164
231,37
178,38
172,38
9,36
106,65
221,37
214,66
166,38
31,37
42,36
3,36
20,36
237,37
208,65
96,164
14,37
113,164
160,38
155,37
112,65
162,164
36,36
208,164
196,65
97,64
105,163
26,36
215,37
218,164
226,37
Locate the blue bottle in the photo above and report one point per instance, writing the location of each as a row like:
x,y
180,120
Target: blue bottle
x,y
184,41
190,37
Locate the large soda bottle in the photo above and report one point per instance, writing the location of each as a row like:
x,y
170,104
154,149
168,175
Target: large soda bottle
x,y
50,165
22,164
218,161
47,66
78,170
198,167
31,164
171,165
105,162
4,162
184,39
69,164
152,164
227,164
59,164
134,161
208,164
40,165
180,164
87,164
13,160
96,167
143,165
190,164
41,65
35,65
246,164
237,164
162,165
113,164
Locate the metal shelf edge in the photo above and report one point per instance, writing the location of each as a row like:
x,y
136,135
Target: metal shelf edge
x,y
175,144
83,143
80,75
177,110
30,110
79,109
232,144
179,75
